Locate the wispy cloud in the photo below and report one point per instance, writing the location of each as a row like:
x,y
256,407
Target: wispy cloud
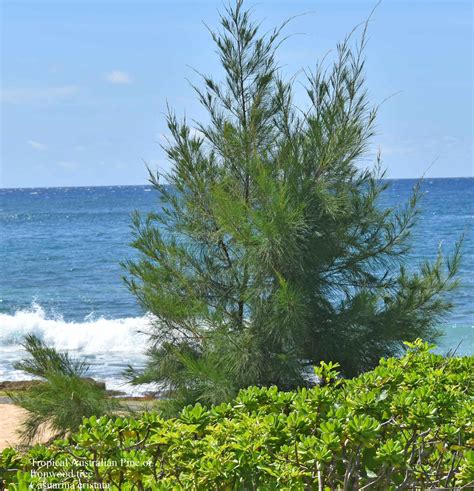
x,y
66,164
422,145
404,148
118,77
37,145
46,95
165,138
195,133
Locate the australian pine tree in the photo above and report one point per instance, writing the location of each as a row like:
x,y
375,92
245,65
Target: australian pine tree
x,y
269,250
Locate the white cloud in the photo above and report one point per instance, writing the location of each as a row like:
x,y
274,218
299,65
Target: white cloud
x,y
422,144
451,140
167,137
66,164
118,77
37,145
19,95
404,148
195,133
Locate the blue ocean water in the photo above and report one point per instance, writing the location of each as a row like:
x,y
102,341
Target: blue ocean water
x,y
60,250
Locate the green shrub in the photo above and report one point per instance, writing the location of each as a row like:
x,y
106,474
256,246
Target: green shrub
x,y
64,397
407,424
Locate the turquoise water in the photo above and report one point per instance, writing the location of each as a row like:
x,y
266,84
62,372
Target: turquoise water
x,y
61,278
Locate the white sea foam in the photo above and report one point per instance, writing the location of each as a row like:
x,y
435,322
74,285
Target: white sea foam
x,y
108,345
93,335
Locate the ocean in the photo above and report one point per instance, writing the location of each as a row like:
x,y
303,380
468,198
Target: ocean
x,y
60,254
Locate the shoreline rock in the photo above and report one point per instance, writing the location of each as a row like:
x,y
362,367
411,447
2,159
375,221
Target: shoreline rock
x,y
21,385
14,385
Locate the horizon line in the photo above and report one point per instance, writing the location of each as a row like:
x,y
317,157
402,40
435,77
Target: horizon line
x,y
16,188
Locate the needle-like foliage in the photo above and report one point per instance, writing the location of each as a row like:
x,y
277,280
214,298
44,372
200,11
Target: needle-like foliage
x,y
270,251
63,397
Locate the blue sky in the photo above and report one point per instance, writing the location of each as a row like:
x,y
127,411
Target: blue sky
x,y
85,83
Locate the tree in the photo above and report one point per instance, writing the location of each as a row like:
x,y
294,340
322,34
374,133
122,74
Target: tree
x,y
63,397
269,252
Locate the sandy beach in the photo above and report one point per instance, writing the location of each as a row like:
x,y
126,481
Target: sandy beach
x,y
11,418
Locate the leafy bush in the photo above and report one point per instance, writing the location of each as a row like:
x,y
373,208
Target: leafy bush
x,y
406,424
64,398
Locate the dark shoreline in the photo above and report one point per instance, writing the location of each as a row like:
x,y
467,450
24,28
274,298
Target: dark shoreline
x,y
22,385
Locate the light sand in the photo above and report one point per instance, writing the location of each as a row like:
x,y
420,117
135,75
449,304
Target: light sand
x,y
11,419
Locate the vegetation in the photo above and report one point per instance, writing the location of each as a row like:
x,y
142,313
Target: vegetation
x,y
269,252
406,424
269,255
65,397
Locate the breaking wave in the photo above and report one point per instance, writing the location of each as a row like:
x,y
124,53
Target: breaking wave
x,y
92,335
108,345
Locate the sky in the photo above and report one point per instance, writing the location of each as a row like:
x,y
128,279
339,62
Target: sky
x,y
85,84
